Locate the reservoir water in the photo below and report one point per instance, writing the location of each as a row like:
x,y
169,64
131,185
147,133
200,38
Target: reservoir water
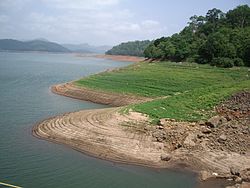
x,y
25,99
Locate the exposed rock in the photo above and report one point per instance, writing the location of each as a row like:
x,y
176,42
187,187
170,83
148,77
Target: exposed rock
x,y
200,136
189,141
238,179
159,135
222,138
160,127
162,122
216,121
245,174
235,171
201,123
165,157
204,175
206,131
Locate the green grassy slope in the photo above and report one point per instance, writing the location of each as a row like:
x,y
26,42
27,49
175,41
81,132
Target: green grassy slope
x,y
193,89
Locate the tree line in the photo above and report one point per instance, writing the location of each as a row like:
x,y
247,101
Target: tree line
x,y
218,38
132,48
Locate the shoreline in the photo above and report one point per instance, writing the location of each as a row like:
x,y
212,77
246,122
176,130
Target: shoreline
x,y
121,58
100,97
101,133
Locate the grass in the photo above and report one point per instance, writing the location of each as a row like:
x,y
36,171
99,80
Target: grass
x,y
193,89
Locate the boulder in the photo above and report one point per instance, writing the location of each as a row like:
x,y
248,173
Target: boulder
x,y
216,121
165,157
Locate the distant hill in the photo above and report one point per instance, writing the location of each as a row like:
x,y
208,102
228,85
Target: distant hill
x,y
132,48
86,48
33,45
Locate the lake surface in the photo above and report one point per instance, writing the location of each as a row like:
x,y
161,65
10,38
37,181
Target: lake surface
x,y
25,99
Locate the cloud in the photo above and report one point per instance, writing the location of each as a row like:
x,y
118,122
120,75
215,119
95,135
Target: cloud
x,y
81,4
79,21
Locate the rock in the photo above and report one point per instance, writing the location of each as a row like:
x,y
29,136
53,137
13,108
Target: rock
x,y
189,140
235,171
204,175
206,131
222,138
165,157
238,179
201,123
216,121
178,145
234,125
159,135
162,122
160,127
200,136
245,174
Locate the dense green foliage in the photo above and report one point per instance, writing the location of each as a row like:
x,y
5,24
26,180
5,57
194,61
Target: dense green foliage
x,y
34,45
218,38
132,48
191,88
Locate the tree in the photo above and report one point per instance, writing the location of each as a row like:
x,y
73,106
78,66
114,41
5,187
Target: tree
x,y
239,17
217,38
217,45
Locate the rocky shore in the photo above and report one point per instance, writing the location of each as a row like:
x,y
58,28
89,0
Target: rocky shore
x,y
217,148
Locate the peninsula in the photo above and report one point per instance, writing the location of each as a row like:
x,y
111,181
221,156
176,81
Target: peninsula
x,y
199,118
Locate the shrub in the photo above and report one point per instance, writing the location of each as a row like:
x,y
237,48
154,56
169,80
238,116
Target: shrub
x,y
222,62
238,62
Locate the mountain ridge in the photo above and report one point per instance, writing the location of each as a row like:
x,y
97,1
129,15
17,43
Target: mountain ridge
x,y
32,45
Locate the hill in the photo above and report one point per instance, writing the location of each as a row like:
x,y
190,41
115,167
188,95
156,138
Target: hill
x,y
218,38
86,48
181,91
132,48
33,45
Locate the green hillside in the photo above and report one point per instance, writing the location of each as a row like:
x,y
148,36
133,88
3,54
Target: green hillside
x,y
218,38
34,45
132,48
182,91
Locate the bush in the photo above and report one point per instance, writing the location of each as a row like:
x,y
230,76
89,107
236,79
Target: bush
x,y
238,62
222,62
190,60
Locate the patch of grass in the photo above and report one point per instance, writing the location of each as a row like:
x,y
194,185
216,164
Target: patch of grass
x,y
191,106
193,89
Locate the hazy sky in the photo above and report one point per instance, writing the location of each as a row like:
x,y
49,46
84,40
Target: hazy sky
x,y
101,21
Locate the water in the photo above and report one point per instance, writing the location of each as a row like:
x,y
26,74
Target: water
x,y
25,99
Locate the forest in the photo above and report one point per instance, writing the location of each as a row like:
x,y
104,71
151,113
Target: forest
x,y
218,38
132,48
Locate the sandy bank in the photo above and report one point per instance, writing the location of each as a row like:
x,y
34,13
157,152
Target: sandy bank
x,y
121,58
107,134
101,97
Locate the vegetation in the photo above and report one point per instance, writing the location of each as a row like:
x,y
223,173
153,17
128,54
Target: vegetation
x,y
184,91
220,39
135,48
34,45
